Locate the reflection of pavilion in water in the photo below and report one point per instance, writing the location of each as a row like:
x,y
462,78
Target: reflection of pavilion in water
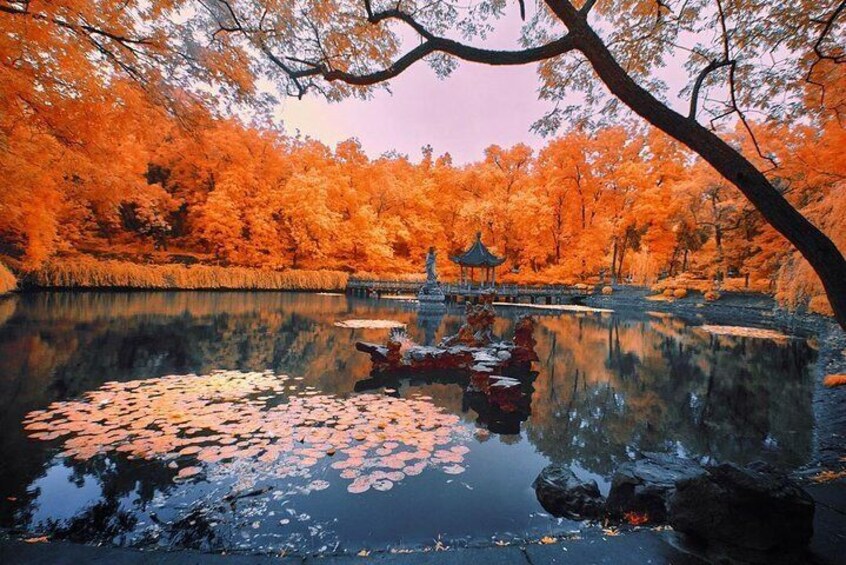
x,y
495,375
500,410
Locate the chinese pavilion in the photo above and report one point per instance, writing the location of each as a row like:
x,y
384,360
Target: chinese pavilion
x,y
478,257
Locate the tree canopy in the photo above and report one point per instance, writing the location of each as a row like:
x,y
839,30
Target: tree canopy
x,y
108,89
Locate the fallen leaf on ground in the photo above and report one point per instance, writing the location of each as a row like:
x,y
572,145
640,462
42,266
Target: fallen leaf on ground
x,y
827,476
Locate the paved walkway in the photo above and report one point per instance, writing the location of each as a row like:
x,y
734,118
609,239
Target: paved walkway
x,y
634,548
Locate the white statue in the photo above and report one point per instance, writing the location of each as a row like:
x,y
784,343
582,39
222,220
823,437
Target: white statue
x,y
431,273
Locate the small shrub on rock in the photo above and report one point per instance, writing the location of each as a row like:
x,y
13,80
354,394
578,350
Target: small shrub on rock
x,y
607,290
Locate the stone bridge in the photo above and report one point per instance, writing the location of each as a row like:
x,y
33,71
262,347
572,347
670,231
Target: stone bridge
x,y
547,294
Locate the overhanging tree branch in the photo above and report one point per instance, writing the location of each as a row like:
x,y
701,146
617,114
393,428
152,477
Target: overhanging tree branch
x,y
432,45
700,80
124,41
819,54
587,7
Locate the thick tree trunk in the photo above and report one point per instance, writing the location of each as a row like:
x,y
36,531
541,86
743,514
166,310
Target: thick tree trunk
x,y
614,263
674,259
622,255
718,240
812,243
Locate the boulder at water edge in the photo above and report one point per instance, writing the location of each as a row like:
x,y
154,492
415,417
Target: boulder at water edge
x,y
645,486
562,493
756,507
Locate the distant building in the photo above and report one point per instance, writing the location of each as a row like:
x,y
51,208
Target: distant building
x,y
478,257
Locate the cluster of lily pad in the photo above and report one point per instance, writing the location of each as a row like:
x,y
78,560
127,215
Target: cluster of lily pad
x,y
213,424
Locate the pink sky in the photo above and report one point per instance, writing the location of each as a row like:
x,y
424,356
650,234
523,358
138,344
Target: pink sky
x,y
475,107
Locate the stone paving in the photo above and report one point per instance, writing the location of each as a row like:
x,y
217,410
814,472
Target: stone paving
x,y
635,548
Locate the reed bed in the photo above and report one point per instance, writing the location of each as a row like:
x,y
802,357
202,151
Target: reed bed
x,y
84,273
389,276
8,282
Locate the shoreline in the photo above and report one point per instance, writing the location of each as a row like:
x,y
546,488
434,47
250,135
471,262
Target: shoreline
x,y
590,543
639,545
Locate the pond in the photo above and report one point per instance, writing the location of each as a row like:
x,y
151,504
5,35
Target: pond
x,y
248,422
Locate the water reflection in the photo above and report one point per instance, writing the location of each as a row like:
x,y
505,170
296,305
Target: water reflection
x,y
497,413
607,386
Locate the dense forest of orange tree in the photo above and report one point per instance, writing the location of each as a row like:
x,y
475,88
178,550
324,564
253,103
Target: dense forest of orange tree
x,y
96,162
615,203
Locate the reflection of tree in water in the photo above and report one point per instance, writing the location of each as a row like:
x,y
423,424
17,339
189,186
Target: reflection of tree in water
x,y
609,386
127,493
60,345
118,479
103,522
606,385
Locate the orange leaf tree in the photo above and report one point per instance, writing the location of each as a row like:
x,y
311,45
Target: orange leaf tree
x,y
609,49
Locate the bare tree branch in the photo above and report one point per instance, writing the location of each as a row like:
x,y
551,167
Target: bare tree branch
x,y
694,96
828,25
88,29
430,45
588,6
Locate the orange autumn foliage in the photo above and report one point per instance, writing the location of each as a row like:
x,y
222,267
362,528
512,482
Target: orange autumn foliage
x,y
8,282
94,165
636,518
609,205
832,381
89,273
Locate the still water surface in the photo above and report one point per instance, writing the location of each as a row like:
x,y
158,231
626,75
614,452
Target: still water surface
x,y
246,421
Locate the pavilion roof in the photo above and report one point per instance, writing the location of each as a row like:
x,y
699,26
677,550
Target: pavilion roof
x,y
477,256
